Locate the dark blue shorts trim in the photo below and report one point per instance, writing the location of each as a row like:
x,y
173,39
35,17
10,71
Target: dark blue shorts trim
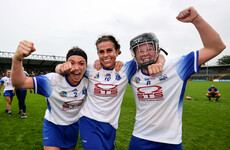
x,y
141,144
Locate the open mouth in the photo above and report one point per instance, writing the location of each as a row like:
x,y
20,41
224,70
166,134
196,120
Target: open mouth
x,y
145,60
76,73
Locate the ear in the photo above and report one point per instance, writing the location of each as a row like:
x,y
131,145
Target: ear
x,y
117,52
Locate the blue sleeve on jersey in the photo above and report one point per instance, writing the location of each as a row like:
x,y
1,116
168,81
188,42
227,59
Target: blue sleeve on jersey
x,y
209,89
1,81
130,68
188,65
87,72
42,86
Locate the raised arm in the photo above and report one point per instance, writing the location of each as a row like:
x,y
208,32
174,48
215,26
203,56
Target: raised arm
x,y
213,45
18,77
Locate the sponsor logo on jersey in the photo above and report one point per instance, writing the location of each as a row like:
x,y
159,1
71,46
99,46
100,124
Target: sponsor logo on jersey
x,y
137,80
96,76
150,93
63,94
117,77
163,77
74,104
105,90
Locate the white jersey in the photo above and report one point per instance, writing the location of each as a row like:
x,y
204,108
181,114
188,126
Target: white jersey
x,y
7,84
105,94
64,100
159,100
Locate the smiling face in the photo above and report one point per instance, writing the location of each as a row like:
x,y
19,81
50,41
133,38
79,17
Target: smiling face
x,y
79,67
107,54
145,53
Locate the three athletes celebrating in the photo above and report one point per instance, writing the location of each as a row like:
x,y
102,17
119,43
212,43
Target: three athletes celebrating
x,y
159,98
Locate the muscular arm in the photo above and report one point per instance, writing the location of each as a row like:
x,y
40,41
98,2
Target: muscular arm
x,y
18,77
213,45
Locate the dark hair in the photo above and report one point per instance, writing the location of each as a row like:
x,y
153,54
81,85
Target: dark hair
x,y
8,70
110,38
76,51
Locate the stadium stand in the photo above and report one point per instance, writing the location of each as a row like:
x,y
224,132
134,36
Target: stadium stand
x,y
34,64
210,73
37,64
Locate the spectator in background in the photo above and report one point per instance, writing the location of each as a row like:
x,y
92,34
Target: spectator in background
x,y
21,95
213,92
9,91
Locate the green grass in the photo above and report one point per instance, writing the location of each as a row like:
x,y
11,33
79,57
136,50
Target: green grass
x,y
205,123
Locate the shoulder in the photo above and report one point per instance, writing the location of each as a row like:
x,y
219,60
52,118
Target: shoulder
x,y
53,77
3,78
84,80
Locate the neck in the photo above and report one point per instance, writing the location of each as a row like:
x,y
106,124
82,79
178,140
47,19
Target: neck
x,y
71,80
145,70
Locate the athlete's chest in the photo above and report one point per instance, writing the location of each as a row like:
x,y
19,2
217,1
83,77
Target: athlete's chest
x,y
107,77
7,81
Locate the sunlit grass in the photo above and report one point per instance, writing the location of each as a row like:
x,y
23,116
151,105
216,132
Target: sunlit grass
x,y
205,123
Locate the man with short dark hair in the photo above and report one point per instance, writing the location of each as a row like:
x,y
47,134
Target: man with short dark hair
x,y
213,92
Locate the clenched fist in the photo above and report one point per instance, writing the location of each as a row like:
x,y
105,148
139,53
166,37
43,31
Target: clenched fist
x,y
25,48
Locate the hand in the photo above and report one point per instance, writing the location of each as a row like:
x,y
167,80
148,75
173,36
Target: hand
x,y
155,69
118,65
188,15
25,48
65,68
97,65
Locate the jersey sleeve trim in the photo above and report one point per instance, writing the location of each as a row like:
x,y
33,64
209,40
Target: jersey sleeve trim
x,y
35,84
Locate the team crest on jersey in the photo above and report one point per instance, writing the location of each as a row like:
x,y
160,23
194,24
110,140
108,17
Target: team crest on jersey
x,y
118,77
105,90
150,93
107,77
163,77
84,91
137,80
63,94
148,81
96,76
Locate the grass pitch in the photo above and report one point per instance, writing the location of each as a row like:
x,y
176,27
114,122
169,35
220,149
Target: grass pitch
x,y
205,123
